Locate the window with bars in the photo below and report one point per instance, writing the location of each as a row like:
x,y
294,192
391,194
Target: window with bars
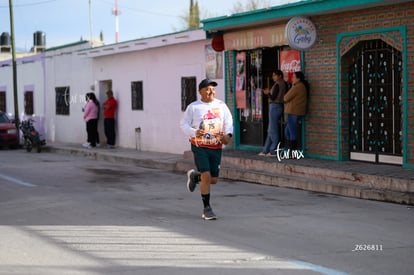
x,y
188,91
28,103
62,100
137,97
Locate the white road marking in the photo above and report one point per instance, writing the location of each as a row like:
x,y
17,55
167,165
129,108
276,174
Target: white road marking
x,y
16,181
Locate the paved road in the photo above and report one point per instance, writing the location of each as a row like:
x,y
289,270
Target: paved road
x,y
63,214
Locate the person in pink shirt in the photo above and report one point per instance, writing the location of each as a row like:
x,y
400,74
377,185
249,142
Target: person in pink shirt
x,y
91,118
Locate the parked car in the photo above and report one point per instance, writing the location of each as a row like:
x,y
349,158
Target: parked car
x,y
8,132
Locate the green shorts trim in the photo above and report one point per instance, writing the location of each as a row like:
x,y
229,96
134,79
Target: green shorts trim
x,y
207,159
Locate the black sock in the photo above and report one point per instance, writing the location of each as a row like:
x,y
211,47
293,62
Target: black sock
x,y
206,200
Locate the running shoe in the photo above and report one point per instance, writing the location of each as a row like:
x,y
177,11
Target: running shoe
x,y
193,178
208,214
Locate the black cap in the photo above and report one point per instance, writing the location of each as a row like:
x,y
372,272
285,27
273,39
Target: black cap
x,y
206,82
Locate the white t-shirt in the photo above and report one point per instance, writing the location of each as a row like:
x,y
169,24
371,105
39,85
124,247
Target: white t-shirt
x,y
213,117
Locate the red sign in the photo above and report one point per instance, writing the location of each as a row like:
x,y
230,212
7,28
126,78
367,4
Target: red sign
x,y
290,63
218,43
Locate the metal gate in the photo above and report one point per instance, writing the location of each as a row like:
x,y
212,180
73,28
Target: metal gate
x,y
375,103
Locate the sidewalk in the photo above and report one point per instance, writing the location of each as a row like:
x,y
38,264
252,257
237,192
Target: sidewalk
x,y
388,183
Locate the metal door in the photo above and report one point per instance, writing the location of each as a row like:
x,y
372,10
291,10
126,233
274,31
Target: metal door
x,y
375,104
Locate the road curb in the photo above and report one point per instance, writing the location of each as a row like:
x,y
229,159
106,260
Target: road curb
x,y
286,175
348,184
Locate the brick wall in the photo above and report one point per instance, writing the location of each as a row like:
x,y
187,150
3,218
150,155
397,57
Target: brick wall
x,y
321,67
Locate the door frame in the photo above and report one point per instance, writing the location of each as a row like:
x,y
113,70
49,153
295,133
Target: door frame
x,y
344,42
365,102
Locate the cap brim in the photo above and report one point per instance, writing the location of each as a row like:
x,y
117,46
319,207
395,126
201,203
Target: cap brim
x,y
211,83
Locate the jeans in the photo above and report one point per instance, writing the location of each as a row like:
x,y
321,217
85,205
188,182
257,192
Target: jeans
x,y
292,127
273,130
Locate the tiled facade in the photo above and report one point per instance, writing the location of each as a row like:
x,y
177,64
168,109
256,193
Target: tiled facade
x,y
321,66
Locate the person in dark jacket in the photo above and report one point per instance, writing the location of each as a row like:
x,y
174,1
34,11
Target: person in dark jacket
x,y
275,95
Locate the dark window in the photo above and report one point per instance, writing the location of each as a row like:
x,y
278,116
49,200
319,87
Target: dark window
x,y
28,103
137,98
188,91
3,101
62,100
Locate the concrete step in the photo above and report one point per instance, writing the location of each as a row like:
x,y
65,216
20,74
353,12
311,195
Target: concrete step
x,y
323,174
350,184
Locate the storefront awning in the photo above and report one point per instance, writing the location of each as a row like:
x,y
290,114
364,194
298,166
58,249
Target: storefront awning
x,y
269,36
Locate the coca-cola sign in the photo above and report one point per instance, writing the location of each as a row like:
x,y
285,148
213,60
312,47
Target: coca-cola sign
x,y
300,33
289,63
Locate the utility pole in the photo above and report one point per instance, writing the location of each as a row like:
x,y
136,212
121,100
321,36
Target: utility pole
x,y
90,24
16,101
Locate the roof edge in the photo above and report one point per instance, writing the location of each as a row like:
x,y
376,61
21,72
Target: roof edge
x,y
282,12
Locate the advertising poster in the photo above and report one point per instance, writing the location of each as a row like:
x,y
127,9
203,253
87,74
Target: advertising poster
x,y
289,63
214,63
241,80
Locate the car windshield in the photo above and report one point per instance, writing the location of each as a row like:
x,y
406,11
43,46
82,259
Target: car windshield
x,y
4,118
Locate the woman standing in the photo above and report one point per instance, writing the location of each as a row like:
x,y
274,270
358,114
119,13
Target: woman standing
x,y
91,118
275,97
295,107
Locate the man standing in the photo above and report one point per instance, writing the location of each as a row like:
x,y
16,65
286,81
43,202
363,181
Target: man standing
x,y
209,124
109,107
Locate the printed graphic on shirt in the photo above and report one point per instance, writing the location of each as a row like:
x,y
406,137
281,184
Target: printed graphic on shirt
x,y
212,125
